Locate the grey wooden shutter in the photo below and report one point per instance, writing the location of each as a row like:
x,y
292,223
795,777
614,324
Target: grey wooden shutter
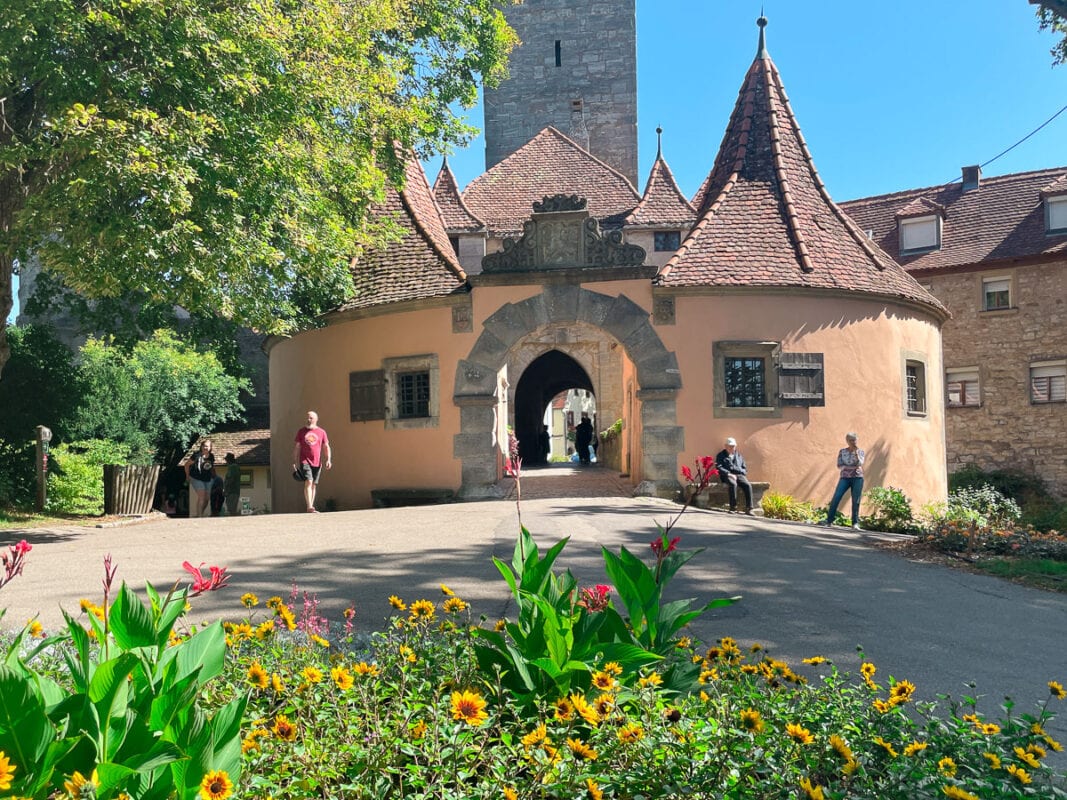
x,y
800,379
366,395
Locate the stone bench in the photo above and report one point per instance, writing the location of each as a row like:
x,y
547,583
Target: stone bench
x,y
717,496
394,498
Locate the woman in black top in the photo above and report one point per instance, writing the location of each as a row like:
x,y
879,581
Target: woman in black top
x,y
200,471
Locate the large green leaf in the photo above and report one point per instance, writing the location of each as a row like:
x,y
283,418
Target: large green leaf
x,y
131,621
204,652
25,732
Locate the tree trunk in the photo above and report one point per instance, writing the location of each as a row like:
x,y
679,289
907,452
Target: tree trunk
x,y
6,301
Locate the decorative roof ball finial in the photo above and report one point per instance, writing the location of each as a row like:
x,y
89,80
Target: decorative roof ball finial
x,y
761,51
659,141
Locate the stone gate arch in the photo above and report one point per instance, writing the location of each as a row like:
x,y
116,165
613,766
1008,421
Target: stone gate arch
x,y
478,384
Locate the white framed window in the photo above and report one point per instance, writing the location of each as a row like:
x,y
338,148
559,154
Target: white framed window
x,y
915,388
1048,381
1056,214
996,293
921,233
962,388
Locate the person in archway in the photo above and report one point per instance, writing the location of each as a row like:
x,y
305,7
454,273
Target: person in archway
x,y
583,437
544,445
734,472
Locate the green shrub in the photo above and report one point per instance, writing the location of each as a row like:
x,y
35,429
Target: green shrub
x,y
891,510
76,475
776,505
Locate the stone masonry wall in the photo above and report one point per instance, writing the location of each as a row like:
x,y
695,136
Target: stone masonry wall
x,y
1006,431
598,66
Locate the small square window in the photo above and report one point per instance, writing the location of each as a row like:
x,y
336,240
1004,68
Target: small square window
x,y
1048,382
996,294
1056,210
961,388
923,233
667,241
746,382
915,388
413,395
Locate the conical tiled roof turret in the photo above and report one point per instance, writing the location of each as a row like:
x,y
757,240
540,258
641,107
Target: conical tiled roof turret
x,y
457,217
420,262
663,203
765,217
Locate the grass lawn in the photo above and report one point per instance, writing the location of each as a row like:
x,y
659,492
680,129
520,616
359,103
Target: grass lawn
x,y
14,519
1042,573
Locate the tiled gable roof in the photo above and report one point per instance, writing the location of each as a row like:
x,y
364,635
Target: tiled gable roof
x,y
765,217
548,164
921,207
457,217
663,203
421,263
250,448
1003,219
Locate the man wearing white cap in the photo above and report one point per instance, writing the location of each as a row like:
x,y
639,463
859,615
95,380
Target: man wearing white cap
x,y
732,471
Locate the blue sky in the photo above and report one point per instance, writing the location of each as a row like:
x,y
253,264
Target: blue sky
x,y
889,96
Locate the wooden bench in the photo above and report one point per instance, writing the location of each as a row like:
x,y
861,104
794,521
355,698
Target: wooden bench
x,y
717,496
394,498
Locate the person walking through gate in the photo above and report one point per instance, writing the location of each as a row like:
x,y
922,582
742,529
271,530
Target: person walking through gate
x,y
200,472
850,459
583,437
311,443
734,472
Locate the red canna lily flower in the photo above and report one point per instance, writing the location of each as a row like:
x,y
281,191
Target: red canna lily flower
x,y
203,583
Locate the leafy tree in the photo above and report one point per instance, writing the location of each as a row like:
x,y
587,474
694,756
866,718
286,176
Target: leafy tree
x,y
40,387
214,155
155,398
1052,16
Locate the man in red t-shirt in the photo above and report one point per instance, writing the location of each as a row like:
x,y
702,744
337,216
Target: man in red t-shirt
x,y
311,441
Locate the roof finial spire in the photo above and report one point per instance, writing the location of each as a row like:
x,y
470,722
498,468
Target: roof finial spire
x,y
761,51
659,142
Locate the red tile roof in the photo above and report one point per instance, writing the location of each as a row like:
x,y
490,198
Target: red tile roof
x,y
663,203
457,217
548,164
921,207
421,263
251,448
765,217
1003,219
1058,186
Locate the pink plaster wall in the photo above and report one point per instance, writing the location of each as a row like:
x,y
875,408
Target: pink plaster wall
x,y
863,342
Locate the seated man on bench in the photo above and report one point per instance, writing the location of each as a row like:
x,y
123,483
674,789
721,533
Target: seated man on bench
x,y
733,472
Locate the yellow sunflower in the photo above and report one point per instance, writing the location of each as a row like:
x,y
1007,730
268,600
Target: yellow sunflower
x,y
751,720
585,710
993,759
915,747
956,793
1020,774
249,600
628,734
841,748
421,610
594,790
312,674
582,750
947,766
603,681
79,787
397,603
535,737
284,729
7,771
469,706
811,791
799,733
343,678
1057,690
216,785
453,605
257,676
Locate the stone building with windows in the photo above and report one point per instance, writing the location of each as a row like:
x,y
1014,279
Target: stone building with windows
x,y
994,251
775,320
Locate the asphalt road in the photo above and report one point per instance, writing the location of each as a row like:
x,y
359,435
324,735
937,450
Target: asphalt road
x,y
806,590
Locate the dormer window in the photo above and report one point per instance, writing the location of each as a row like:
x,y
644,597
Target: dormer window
x,y
1056,214
667,241
920,233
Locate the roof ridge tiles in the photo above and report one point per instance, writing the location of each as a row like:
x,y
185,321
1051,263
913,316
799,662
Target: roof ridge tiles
x,y
940,187
446,254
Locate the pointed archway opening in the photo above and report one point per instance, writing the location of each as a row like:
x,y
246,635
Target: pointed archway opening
x,y
547,376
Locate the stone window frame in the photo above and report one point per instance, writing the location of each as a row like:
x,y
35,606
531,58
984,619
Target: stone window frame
x,y
768,351
915,403
248,472
965,376
393,368
903,224
1054,368
984,280
1059,202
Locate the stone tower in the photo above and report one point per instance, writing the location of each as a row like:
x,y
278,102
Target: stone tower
x,y
576,70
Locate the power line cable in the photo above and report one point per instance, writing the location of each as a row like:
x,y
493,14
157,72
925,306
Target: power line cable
x,y
1005,152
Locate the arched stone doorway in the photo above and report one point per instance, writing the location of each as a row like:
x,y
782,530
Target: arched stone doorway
x,y
482,381
549,374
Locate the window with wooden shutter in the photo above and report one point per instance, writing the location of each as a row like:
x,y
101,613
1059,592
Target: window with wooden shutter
x,y
800,379
366,395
